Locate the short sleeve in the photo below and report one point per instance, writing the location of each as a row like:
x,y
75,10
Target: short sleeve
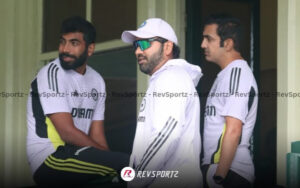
x,y
51,90
239,88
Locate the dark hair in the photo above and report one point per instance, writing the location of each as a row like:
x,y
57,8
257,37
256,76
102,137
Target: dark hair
x,y
228,28
175,51
78,24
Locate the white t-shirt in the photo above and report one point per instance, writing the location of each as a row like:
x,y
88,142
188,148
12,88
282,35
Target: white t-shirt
x,y
167,135
57,90
234,93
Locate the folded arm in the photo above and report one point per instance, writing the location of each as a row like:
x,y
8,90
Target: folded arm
x,y
66,129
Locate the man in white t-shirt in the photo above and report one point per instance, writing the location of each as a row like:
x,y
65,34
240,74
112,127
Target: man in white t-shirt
x,y
231,107
66,145
167,144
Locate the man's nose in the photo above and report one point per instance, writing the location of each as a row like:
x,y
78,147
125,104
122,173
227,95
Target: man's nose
x,y
65,48
203,44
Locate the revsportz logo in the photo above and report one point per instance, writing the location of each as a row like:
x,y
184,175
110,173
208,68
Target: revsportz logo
x,y
127,174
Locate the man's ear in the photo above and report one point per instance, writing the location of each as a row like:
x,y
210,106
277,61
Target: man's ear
x,y
168,48
229,44
91,49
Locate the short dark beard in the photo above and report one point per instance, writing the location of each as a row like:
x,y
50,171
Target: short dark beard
x,y
78,61
152,62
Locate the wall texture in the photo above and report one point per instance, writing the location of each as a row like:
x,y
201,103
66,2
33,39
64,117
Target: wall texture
x,y
288,66
18,60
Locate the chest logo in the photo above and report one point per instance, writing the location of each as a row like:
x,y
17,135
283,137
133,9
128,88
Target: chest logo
x,y
94,94
75,93
143,105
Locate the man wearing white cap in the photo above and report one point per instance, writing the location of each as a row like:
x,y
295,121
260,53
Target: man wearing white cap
x,y
167,142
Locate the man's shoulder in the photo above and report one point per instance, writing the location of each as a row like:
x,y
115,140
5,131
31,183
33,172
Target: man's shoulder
x,y
95,74
240,65
173,74
51,76
237,70
50,69
173,78
237,77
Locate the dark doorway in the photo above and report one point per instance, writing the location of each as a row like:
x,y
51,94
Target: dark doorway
x,y
118,68
248,12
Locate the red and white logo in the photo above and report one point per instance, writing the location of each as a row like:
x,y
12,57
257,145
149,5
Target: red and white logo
x,y
127,174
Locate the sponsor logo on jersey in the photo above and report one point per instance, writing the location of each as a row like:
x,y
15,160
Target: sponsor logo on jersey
x,y
85,113
210,111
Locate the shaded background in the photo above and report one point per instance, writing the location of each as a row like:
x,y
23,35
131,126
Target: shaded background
x,y
29,39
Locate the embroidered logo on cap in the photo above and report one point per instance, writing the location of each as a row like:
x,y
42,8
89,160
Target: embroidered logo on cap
x,y
143,24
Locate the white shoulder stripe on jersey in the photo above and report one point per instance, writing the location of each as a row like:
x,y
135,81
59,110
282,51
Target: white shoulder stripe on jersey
x,y
234,80
52,77
157,143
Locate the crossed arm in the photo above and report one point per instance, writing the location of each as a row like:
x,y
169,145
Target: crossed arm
x,y
65,127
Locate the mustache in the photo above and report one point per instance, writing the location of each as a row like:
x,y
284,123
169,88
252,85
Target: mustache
x,y
141,56
67,55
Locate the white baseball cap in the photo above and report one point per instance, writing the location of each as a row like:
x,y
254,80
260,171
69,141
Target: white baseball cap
x,y
152,27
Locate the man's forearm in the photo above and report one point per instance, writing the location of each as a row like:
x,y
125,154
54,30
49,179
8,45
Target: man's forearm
x,y
229,145
69,133
97,134
101,143
228,150
79,138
